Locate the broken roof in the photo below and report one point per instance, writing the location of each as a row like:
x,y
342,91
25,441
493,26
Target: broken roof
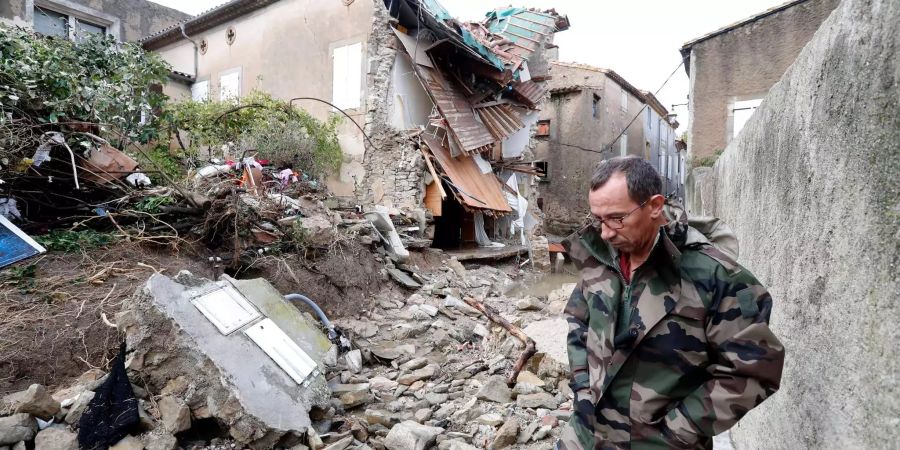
x,y
525,30
471,187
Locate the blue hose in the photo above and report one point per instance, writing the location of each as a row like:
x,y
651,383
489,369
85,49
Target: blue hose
x,y
332,333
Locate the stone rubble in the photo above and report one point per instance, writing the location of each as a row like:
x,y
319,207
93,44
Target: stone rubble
x,y
426,371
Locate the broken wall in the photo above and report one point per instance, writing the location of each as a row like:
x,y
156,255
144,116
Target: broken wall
x,y
394,172
811,188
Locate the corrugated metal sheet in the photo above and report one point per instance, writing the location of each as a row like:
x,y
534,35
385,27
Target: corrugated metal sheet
x,y
526,30
529,92
467,132
473,189
500,119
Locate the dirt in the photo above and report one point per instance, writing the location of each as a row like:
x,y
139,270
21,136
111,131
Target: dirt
x,y
52,330
341,282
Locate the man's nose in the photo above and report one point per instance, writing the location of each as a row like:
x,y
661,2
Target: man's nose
x,y
606,232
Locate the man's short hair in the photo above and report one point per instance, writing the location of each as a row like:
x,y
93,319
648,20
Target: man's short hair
x,y
642,179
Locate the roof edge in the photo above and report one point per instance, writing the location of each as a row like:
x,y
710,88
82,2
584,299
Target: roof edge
x,y
202,22
686,47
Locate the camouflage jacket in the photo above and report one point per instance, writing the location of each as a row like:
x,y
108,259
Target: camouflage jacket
x,y
698,353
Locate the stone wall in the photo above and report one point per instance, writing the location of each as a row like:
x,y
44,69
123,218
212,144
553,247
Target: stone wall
x,y
742,64
812,188
573,128
394,171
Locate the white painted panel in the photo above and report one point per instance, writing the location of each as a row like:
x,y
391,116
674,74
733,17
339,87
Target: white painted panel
x,y
282,349
230,86
743,110
347,76
200,91
226,308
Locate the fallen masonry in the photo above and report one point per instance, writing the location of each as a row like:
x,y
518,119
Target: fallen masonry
x,y
235,361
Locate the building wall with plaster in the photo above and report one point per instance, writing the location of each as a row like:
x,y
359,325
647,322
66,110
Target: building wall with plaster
x,y
811,189
742,64
127,20
585,113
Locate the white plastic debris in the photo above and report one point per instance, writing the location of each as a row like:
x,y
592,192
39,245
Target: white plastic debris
x,y
138,179
9,208
213,170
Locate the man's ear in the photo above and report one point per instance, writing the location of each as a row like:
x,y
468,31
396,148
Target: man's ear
x,y
656,204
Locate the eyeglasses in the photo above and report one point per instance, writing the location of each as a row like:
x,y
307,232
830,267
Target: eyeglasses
x,y
614,223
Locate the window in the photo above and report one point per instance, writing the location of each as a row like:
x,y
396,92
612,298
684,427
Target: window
x,y
595,106
543,128
200,91
49,22
624,100
742,112
542,168
347,76
681,164
661,164
623,144
230,85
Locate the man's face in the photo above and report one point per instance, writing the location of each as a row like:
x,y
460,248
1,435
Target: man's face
x,y
611,201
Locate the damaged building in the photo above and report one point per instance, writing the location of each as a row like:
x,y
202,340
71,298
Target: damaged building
x,y
594,114
448,107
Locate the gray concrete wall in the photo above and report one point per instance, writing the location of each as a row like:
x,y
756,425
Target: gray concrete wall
x,y
135,18
743,64
812,188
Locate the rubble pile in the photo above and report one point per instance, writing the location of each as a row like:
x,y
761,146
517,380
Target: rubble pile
x,y
427,371
431,370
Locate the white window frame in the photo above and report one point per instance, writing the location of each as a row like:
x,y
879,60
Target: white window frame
x,y
624,100
75,12
230,73
623,145
347,76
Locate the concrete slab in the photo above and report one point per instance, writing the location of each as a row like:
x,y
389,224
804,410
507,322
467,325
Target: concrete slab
x,y
233,379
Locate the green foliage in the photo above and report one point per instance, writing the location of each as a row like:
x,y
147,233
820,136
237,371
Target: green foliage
x,y
272,127
707,161
22,276
152,203
74,241
160,157
98,80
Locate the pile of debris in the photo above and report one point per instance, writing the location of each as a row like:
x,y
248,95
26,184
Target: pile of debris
x,y
233,363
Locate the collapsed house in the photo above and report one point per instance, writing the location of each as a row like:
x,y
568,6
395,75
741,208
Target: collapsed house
x,y
447,106
468,95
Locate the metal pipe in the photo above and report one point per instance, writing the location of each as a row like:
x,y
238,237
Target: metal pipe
x,y
332,333
196,53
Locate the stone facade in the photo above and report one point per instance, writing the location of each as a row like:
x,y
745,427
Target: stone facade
x,y
585,113
394,172
127,20
740,63
810,186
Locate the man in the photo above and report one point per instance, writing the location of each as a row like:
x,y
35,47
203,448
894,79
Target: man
x,y
668,341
